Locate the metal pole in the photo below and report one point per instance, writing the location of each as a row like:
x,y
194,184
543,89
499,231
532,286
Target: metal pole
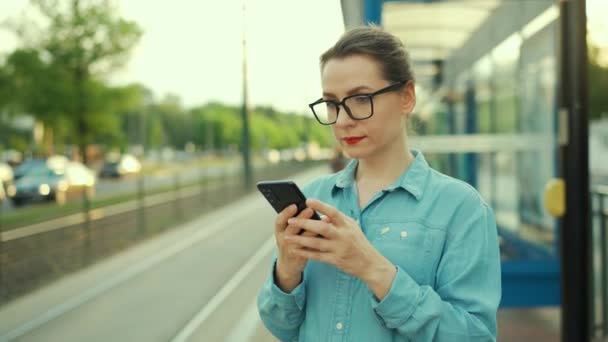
x,y
248,177
575,232
176,194
2,284
603,264
141,217
202,174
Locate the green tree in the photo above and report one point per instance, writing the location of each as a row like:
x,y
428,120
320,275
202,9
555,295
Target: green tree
x,y
130,104
37,89
5,88
83,42
217,125
598,85
177,122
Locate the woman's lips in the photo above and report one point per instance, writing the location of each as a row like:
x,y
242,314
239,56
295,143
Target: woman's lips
x,y
353,140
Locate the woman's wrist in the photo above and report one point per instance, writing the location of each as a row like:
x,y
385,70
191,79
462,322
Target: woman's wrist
x,y
286,281
379,276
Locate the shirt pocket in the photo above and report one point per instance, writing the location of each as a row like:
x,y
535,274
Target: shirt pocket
x,y
409,245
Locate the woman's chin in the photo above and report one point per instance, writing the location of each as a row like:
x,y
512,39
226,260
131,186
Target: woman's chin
x,y
356,153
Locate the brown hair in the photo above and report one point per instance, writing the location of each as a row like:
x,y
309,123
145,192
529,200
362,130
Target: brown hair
x,y
384,48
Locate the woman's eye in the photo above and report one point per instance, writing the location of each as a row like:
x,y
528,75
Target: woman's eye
x,y
361,99
331,105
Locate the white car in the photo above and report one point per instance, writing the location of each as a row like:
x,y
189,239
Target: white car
x,y
6,177
2,193
6,173
120,165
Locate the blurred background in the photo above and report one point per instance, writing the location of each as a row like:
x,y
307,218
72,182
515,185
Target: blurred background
x,y
130,131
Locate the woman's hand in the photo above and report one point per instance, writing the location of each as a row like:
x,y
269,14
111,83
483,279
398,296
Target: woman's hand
x,y
289,267
343,244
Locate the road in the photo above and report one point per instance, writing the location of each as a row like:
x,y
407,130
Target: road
x,y
160,179
194,283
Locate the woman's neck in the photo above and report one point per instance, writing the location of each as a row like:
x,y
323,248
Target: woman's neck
x,y
386,166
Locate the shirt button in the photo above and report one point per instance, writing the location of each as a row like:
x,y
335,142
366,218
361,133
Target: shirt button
x,y
339,326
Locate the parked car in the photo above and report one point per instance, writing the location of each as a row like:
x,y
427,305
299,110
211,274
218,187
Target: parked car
x,y
119,166
42,182
24,167
55,162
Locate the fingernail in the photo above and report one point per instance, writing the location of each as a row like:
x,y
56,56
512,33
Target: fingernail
x,y
291,221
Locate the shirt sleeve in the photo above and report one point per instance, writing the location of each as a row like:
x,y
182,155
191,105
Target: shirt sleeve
x,y
463,304
281,312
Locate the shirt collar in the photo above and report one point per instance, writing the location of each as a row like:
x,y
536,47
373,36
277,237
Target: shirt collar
x,y
413,180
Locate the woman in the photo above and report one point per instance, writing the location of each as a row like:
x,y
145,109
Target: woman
x,y
403,252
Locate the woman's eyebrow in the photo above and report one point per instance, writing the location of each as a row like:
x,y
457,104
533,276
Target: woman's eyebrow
x,y
358,89
350,92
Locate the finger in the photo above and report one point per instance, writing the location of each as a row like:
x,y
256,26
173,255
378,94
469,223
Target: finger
x,y
309,233
283,216
319,227
332,213
304,214
314,255
314,243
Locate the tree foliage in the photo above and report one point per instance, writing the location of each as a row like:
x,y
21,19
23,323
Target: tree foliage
x,y
59,73
598,86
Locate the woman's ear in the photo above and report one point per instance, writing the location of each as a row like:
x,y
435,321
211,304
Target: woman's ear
x,y
409,97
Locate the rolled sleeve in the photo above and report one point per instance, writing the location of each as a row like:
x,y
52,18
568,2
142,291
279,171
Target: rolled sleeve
x,y
399,303
297,296
281,312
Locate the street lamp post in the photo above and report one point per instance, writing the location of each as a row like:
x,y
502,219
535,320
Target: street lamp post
x,y
575,232
248,176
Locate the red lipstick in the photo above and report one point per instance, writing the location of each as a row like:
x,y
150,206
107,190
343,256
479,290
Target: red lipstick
x,y
353,140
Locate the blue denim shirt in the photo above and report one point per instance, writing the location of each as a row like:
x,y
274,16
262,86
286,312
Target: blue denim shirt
x,y
440,235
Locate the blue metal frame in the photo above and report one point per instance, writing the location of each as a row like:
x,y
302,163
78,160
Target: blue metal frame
x,y
532,278
470,128
530,283
372,12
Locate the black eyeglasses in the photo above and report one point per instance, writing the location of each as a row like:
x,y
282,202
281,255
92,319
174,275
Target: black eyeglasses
x,y
358,106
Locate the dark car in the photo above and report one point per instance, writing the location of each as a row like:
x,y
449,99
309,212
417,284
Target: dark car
x,y
41,182
119,166
55,162
24,167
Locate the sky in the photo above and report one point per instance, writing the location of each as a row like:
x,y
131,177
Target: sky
x,y
193,48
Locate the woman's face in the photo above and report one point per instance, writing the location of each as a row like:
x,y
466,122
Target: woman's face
x,y
359,74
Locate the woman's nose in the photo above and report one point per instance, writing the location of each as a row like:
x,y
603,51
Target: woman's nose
x,y
343,118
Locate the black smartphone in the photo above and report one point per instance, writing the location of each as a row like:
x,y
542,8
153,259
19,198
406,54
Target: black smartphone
x,y
283,193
